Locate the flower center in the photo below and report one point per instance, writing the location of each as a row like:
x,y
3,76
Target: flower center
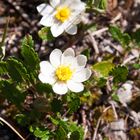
x,y
62,14
63,73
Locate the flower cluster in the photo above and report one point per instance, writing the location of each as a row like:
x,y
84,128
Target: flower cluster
x,y
61,15
65,71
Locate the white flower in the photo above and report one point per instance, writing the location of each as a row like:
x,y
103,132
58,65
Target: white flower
x,y
61,15
64,71
125,92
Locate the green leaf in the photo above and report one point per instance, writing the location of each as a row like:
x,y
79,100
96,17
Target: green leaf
x,y
40,133
75,135
115,97
102,82
86,53
119,74
136,36
28,41
54,121
123,38
61,134
43,88
11,93
56,105
45,34
100,4
16,70
103,68
31,59
3,68
22,119
73,102
76,131
136,66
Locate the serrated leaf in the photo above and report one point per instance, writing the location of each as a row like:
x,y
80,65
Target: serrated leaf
x,y
3,68
40,133
119,74
56,105
16,70
103,68
73,127
116,33
31,59
61,134
28,41
11,93
74,105
45,34
43,88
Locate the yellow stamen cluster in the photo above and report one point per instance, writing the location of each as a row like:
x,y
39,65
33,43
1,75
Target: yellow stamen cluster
x,y
64,73
62,14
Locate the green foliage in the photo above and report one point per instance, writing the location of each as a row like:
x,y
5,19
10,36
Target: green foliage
x,y
22,119
56,105
11,92
67,130
90,2
136,66
121,37
43,88
136,37
3,68
102,82
73,102
119,74
28,41
31,59
40,132
115,97
86,53
102,4
103,68
45,34
16,70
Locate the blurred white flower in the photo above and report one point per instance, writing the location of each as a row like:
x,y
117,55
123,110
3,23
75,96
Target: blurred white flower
x,y
125,93
65,71
61,15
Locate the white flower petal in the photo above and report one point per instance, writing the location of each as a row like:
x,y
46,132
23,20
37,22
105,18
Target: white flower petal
x,y
60,88
54,3
44,9
74,86
82,75
55,57
57,29
72,30
69,61
81,6
81,60
47,21
68,57
46,68
69,52
46,78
